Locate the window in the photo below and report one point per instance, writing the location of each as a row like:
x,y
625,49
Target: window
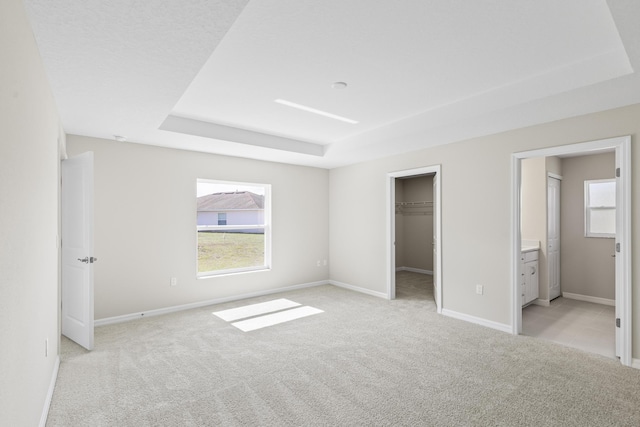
x,y
233,227
600,208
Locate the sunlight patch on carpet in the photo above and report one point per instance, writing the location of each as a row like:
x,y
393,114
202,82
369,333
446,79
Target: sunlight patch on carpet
x,y
275,318
255,309
261,315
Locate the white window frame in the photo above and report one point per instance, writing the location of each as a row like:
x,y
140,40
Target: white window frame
x,y
588,209
222,216
266,226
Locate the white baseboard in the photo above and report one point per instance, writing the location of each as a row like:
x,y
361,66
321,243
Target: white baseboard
x,y
415,270
478,320
635,363
52,386
166,310
588,298
542,302
358,289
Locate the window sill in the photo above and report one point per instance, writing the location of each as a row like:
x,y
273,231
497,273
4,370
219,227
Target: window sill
x,y
212,274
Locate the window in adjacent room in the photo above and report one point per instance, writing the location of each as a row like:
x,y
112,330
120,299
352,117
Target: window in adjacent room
x,y
600,208
233,227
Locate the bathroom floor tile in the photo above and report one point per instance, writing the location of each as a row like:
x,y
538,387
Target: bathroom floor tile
x,y
573,323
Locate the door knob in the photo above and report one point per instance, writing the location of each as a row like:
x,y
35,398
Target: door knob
x,y
85,259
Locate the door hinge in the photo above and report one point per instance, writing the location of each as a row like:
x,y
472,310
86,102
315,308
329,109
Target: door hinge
x,y
618,322
617,247
618,172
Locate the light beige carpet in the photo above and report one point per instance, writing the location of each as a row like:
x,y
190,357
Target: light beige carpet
x,y
365,361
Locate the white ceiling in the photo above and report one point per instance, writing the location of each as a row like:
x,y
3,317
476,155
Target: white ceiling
x,y
203,75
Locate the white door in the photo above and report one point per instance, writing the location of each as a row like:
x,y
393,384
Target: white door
x,y
77,249
553,236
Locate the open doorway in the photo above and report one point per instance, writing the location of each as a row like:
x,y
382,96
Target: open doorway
x,y
561,279
414,235
574,302
414,238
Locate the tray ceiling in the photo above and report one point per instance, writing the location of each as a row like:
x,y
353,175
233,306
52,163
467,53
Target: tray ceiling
x,y
225,77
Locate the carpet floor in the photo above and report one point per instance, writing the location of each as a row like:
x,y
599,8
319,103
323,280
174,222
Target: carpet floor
x,y
363,361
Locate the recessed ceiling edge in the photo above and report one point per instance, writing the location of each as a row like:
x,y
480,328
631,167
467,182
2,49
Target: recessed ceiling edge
x,y
242,136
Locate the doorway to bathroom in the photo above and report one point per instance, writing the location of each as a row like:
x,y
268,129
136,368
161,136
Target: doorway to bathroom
x,y
551,184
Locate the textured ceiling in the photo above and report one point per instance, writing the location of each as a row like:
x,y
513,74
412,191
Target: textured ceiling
x,y
203,75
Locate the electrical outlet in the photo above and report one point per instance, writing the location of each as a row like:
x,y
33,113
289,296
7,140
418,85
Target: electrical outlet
x,y
318,263
174,281
479,289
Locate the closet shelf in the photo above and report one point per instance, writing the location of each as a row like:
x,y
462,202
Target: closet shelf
x,y
414,204
414,208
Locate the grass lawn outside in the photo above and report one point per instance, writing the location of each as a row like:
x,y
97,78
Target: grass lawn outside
x,y
224,251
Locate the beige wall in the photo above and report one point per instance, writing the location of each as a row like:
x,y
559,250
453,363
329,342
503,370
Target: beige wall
x,y
554,165
534,172
417,229
476,213
533,192
145,222
586,265
28,223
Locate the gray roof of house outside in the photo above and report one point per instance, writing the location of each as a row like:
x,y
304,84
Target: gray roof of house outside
x,y
241,200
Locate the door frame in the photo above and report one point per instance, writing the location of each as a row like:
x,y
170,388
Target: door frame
x,y
622,147
391,228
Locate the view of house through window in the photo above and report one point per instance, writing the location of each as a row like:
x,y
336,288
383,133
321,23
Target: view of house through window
x,y
233,227
600,208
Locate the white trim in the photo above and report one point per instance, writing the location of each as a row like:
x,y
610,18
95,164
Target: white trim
x,y
358,289
391,232
166,310
635,363
231,272
622,147
587,298
503,327
623,259
554,176
516,246
415,270
52,386
590,147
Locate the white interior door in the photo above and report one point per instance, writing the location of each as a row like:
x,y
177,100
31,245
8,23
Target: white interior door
x,y
553,236
77,249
